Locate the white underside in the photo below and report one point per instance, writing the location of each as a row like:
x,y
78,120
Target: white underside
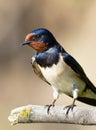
x,y
63,79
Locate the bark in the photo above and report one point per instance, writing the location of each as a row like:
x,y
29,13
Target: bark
x,y
57,114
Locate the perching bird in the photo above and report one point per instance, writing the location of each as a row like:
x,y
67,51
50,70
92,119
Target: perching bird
x,y
59,69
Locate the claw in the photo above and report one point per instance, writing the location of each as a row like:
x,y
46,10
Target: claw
x,y
49,106
70,107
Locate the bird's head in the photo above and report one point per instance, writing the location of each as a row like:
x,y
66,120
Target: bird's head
x,y
40,40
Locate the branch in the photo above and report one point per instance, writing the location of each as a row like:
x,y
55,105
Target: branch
x,y
38,114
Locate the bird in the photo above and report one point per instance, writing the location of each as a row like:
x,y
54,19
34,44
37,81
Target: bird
x,y
54,65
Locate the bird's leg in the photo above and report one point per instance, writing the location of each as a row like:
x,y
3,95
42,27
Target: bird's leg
x,y
51,105
75,96
56,96
70,107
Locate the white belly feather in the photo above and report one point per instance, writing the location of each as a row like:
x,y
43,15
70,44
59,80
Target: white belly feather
x,y
63,78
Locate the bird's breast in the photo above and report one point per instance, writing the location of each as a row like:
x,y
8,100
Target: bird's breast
x,y
62,77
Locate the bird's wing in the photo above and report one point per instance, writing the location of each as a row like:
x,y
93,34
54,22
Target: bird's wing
x,y
69,60
37,70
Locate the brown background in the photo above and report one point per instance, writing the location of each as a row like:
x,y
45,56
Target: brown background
x,y
73,22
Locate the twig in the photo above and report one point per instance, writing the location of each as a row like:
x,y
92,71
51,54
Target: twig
x,y
38,114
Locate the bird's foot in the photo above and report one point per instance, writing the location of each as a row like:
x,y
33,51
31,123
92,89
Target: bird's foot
x,y
70,107
51,105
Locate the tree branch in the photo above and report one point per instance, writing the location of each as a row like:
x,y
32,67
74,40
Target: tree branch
x,y
38,114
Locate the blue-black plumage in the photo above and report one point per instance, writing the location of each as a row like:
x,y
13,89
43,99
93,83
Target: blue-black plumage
x,y
59,69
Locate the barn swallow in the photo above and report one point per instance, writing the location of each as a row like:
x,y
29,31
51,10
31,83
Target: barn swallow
x,y
59,69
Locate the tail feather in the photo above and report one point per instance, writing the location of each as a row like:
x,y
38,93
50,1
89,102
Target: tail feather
x,y
89,95
86,100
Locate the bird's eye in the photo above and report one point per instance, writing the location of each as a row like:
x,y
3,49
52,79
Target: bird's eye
x,y
38,36
35,37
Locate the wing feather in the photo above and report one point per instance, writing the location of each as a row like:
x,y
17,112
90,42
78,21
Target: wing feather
x,y
78,69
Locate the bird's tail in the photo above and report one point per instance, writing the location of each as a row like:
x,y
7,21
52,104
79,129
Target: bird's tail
x,y
89,95
89,101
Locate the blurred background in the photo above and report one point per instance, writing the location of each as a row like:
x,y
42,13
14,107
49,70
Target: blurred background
x,y
73,23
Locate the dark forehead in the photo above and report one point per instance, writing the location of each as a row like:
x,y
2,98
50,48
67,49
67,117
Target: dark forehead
x,y
41,31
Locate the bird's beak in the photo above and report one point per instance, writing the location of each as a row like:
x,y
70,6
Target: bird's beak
x,y
26,42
